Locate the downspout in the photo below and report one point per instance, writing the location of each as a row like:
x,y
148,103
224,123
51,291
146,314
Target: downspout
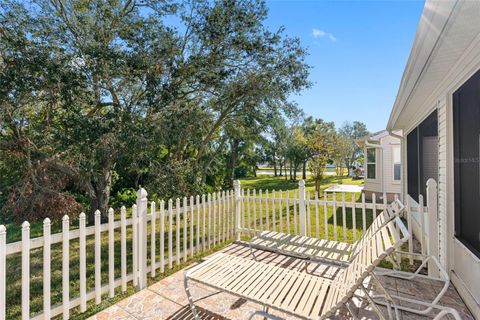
x,y
378,146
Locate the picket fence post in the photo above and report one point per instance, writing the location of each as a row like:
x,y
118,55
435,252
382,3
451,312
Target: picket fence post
x,y
83,263
432,207
238,209
66,267
142,203
46,268
302,208
3,280
25,271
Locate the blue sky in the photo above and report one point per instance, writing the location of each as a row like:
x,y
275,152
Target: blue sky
x,y
358,50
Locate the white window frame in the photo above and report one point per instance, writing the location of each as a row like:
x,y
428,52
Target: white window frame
x,y
367,163
396,147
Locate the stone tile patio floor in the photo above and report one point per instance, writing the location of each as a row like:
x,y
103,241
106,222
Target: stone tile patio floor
x,y
166,299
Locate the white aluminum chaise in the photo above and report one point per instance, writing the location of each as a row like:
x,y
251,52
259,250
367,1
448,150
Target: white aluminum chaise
x,y
297,293
322,250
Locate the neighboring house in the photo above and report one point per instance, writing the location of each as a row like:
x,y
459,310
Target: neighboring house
x,y
382,165
438,110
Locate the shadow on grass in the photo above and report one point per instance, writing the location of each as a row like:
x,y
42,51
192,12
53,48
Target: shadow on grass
x,y
279,183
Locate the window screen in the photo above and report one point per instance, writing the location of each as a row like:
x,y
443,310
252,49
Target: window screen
x,y
422,156
466,147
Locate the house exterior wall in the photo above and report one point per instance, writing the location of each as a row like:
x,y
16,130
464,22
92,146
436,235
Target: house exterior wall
x,y
384,181
446,53
464,266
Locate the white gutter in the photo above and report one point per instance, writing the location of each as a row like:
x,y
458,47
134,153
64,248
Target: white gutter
x,y
390,132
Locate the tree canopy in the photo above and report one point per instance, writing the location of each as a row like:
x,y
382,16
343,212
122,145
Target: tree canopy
x,y
97,96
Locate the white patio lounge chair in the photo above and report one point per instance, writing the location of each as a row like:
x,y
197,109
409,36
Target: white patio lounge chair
x,y
298,293
322,250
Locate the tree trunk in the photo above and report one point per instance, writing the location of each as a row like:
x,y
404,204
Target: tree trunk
x,y
295,168
281,168
100,201
285,167
291,169
304,170
233,160
274,165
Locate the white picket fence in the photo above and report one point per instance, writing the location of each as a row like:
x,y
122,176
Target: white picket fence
x,y
330,215
180,228
155,238
334,216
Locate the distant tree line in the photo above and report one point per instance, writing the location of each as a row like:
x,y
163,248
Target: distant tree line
x,y
311,144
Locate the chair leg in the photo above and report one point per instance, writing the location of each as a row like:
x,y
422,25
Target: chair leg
x,y
265,315
252,252
389,299
189,297
372,303
352,312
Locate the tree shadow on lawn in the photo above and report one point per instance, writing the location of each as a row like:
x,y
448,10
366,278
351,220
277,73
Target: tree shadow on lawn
x,y
348,218
279,183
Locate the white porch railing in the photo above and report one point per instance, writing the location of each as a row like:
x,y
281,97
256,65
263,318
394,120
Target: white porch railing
x,y
158,236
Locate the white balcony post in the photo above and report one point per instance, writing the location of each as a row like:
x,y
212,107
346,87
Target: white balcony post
x,y
301,205
432,207
142,203
238,209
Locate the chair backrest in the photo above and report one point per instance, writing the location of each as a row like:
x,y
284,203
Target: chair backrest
x,y
387,239
388,214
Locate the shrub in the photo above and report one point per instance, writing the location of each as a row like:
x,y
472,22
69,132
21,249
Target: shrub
x,y
125,197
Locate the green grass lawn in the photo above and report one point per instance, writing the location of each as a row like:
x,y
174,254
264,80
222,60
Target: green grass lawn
x,y
315,215
279,183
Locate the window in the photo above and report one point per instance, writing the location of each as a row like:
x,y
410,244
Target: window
x,y
466,146
397,166
371,163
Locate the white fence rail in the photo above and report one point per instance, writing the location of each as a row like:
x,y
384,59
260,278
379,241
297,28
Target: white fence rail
x,y
122,250
99,261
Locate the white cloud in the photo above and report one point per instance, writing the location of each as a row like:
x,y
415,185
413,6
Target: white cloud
x,y
317,33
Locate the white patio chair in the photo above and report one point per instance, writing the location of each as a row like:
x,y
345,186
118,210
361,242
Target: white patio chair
x,y
425,307
298,293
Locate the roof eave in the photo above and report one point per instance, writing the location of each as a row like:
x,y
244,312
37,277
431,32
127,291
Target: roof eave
x,y
433,19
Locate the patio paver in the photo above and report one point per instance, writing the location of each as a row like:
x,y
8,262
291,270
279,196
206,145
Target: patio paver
x,y
166,299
